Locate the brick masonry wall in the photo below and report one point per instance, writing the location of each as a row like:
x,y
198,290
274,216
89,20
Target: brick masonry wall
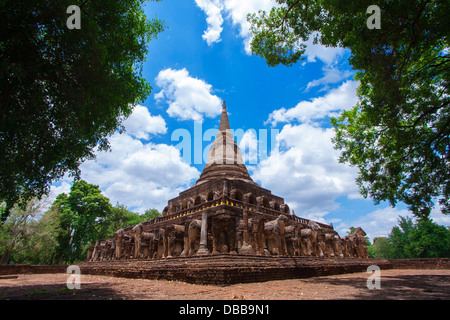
x,y
424,263
230,269
7,269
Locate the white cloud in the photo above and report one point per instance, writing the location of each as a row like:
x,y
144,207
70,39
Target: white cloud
x,y
140,176
305,170
62,186
212,9
341,98
140,124
331,75
438,217
328,55
237,10
378,223
188,98
249,147
304,166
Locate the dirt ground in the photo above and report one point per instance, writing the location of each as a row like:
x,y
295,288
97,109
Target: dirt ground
x,y
395,284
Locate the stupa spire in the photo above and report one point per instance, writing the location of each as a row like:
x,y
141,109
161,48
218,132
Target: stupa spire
x,y
224,157
224,123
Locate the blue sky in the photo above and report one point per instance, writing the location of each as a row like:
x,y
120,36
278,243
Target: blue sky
x,y
203,58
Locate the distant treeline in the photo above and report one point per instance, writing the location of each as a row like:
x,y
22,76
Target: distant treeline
x,y
420,239
63,233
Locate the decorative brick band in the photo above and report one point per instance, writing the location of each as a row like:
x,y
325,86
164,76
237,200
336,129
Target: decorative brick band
x,y
230,269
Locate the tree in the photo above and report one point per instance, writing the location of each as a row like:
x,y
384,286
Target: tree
x,y
413,239
65,231
400,237
150,214
83,216
398,135
121,218
64,91
380,248
18,233
429,240
45,238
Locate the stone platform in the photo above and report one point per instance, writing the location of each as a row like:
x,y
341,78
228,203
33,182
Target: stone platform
x,y
226,269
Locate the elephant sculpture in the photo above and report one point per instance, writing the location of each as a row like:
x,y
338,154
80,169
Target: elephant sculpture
x,y
186,238
124,245
332,244
137,231
89,253
311,240
109,249
256,235
193,237
292,240
358,246
144,243
149,244
317,239
306,243
251,232
274,234
96,251
244,237
223,233
173,239
321,250
240,233
119,236
346,247
160,248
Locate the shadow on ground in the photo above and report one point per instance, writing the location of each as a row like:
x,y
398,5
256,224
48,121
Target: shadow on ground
x,y
91,291
410,287
407,285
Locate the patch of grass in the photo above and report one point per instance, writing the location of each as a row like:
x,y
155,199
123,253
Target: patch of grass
x,y
66,289
36,292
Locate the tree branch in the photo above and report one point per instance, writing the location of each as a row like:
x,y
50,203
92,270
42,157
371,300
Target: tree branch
x,y
283,20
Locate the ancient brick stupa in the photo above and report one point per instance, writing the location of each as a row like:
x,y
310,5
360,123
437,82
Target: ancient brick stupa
x,y
226,212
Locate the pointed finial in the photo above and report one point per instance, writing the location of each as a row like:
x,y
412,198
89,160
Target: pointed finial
x,y
224,124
